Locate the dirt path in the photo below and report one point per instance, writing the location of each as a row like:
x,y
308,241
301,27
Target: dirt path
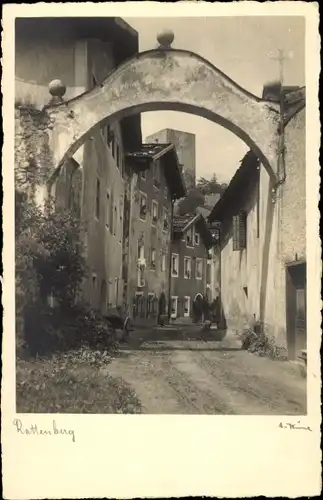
x,y
172,375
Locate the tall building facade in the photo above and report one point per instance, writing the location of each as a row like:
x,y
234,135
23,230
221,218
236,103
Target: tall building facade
x,y
81,52
156,181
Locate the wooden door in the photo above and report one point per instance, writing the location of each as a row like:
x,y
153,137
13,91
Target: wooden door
x,y
296,309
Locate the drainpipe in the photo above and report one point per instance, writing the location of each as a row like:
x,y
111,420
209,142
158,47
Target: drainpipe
x,y
170,262
220,278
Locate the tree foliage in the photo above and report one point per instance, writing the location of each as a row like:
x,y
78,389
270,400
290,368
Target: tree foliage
x,y
211,186
49,253
193,200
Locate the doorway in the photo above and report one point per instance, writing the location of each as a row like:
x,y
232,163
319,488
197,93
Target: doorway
x,y
296,309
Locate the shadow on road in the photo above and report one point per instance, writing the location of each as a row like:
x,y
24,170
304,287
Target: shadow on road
x,y
126,349
163,340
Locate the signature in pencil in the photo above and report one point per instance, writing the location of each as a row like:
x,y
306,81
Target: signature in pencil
x,y
296,426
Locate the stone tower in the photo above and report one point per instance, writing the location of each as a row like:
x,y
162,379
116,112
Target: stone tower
x,y
184,143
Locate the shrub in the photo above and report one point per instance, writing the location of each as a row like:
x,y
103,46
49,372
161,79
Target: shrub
x,y
261,344
49,330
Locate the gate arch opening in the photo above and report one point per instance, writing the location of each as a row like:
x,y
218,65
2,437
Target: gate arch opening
x,y
173,80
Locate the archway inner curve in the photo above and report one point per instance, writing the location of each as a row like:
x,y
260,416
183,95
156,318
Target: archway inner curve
x,y
168,80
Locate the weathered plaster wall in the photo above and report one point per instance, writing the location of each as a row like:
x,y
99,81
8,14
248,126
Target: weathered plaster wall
x,y
104,234
239,271
282,239
293,192
33,155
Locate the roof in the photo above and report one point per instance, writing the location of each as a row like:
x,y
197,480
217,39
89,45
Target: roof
x,y
182,223
236,188
148,153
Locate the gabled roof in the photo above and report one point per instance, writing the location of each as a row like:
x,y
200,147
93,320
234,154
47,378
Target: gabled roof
x,y
148,153
182,223
237,188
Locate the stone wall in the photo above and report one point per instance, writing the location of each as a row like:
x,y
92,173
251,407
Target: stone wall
x,y
33,155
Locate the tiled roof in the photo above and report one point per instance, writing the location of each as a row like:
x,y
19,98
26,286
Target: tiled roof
x,y
237,187
150,151
181,221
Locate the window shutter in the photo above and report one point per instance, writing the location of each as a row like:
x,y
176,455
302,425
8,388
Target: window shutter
x,y
242,230
235,232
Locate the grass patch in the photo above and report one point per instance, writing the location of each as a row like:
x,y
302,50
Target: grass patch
x,y
75,382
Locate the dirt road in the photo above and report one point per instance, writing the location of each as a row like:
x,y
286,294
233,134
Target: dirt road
x,y
182,373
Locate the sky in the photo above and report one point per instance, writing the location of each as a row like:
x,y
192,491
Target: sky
x,y
242,47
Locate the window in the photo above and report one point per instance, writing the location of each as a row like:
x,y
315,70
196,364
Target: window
x,y
163,262
173,311
151,304
115,220
154,212
97,201
107,211
156,173
143,206
174,265
153,258
93,286
116,290
187,267
118,155
187,306
208,274
141,264
141,251
199,269
197,238
189,237
239,224
165,220
113,147
108,136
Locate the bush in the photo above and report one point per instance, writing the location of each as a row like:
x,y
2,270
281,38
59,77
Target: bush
x,y
260,344
49,330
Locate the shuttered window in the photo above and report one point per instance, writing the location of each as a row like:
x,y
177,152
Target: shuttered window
x,y
239,231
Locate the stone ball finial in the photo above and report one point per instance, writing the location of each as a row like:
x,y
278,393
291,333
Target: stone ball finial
x,y
165,39
57,88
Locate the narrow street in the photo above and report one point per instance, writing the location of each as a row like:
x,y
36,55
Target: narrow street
x,y
185,372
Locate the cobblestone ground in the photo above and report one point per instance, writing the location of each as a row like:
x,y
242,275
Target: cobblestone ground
x,y
185,372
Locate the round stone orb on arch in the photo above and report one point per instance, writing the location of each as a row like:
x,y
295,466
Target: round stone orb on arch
x,y
167,79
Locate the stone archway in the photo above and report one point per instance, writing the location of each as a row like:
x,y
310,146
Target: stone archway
x,y
167,79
